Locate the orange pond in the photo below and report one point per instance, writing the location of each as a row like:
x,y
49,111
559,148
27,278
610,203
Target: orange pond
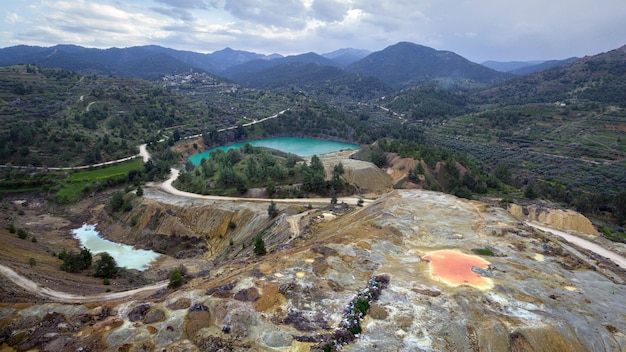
x,y
455,268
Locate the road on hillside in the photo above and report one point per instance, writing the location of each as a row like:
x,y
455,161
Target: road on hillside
x,y
583,243
46,292
169,188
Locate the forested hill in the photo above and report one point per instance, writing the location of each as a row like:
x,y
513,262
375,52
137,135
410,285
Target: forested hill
x,y
600,78
408,64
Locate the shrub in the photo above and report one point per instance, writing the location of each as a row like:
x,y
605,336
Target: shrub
x,y
33,239
106,267
32,262
272,210
259,245
362,305
106,281
483,251
176,278
75,262
232,225
21,233
133,220
12,228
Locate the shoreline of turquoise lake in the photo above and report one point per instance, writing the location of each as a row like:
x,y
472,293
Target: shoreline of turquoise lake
x,y
300,146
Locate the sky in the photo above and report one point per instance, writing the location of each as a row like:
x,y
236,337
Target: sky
x,y
479,30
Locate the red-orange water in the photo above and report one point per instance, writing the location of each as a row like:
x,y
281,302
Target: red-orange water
x,y
455,268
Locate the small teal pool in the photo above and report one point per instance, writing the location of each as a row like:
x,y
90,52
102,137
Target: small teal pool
x,y
294,145
125,256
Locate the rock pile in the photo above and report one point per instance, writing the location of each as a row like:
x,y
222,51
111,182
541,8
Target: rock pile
x,y
350,326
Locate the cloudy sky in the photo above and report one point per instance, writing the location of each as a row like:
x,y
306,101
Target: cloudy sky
x,y
476,29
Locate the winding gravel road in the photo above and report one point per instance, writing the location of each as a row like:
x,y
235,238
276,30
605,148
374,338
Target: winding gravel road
x,y
46,292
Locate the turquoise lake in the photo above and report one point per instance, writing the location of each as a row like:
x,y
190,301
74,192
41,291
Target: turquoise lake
x,y
298,146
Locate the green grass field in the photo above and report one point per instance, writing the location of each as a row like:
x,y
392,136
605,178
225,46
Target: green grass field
x,y
76,184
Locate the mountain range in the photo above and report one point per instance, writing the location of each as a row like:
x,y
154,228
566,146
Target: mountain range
x,y
526,67
398,66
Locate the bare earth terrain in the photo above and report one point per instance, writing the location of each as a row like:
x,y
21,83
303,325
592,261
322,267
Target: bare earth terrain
x,y
537,292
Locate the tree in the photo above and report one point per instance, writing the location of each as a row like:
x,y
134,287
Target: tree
x,y
272,210
270,188
333,196
530,191
106,267
619,202
338,169
139,191
21,233
116,202
503,173
379,158
75,262
259,245
316,164
176,278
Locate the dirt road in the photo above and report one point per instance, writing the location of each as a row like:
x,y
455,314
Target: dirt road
x,y
616,258
39,290
169,188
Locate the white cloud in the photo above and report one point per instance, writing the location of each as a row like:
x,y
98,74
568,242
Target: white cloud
x,y
12,18
477,29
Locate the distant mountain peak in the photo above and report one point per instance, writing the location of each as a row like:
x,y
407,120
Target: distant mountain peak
x,y
405,64
346,56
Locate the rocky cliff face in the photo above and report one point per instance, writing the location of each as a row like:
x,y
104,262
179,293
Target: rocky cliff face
x,y
557,218
543,295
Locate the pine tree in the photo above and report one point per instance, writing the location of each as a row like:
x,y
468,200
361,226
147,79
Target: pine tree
x,y
272,210
259,245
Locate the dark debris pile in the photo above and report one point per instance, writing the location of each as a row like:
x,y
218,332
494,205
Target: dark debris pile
x,y
350,326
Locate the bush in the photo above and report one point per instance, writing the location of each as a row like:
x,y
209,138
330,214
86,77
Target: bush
x,y
259,245
362,305
272,210
32,262
12,228
483,251
75,262
21,233
106,267
176,278
33,239
232,225
106,282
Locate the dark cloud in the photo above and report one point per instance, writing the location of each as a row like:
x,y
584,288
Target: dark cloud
x,y
278,13
176,13
329,10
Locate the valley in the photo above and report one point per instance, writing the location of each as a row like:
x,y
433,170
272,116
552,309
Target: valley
x,y
472,209
292,297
